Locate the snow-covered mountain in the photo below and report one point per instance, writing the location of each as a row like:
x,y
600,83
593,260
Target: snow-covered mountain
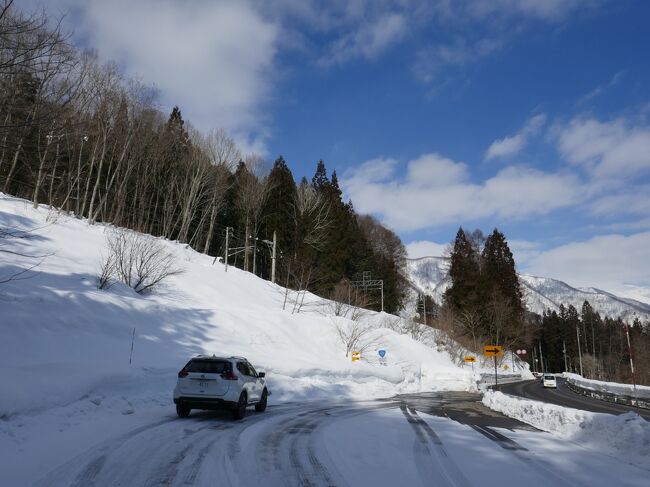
x,y
428,275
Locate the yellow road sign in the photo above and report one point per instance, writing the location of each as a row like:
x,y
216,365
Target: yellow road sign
x,y
493,350
356,356
470,358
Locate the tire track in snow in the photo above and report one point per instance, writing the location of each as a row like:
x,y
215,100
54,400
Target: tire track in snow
x,y
94,466
288,454
448,472
525,456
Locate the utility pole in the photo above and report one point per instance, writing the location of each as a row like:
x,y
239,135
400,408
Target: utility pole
x,y
534,360
382,296
579,351
564,352
629,349
254,255
541,357
225,255
424,307
275,245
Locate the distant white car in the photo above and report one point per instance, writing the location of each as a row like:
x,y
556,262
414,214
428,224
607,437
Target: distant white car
x,y
548,380
211,382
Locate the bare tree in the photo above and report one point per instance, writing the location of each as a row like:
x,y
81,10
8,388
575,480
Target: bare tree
x,y
253,193
346,303
356,336
222,149
311,216
139,261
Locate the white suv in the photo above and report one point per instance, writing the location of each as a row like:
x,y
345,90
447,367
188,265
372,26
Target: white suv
x,y
549,381
211,382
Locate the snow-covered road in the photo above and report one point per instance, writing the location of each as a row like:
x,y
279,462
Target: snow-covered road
x,y
442,439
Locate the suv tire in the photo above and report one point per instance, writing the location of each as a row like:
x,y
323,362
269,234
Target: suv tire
x,y
260,407
240,408
182,410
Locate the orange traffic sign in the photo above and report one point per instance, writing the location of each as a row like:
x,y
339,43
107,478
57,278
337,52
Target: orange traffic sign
x,y
470,358
493,350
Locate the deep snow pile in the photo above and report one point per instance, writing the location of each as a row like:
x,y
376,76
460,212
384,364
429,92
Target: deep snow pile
x,y
626,436
612,387
65,342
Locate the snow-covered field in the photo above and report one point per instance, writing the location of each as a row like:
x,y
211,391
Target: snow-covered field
x,y
65,344
626,436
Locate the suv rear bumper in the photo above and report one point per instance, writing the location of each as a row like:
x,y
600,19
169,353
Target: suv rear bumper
x,y
205,403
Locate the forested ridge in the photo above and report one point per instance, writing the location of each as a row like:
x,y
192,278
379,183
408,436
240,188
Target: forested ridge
x,y
77,135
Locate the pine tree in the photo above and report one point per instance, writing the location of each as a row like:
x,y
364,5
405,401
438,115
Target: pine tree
x,y
320,180
278,211
175,137
464,272
501,287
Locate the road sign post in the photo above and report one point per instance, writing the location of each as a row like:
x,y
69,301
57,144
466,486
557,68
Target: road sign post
x,y
382,356
493,351
470,359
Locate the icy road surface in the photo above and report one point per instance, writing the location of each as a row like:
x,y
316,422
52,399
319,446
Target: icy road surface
x,y
441,439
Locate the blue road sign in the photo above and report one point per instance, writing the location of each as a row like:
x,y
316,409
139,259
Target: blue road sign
x,y
382,353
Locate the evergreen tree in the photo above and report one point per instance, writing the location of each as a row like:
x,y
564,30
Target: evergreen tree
x,y
500,285
320,180
175,137
278,211
499,273
464,272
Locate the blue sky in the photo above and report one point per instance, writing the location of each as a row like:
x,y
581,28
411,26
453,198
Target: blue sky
x,y
529,115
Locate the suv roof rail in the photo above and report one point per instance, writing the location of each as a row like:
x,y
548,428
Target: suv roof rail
x,y
237,357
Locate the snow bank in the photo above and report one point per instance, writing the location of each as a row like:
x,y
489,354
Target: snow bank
x,y
611,387
64,341
626,436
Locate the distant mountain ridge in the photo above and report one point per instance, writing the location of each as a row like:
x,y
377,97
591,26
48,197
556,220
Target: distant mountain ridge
x,y
429,275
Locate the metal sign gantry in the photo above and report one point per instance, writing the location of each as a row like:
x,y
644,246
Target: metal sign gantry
x,y
367,284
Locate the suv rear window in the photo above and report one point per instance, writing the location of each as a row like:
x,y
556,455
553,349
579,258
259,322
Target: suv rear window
x,y
208,366
549,377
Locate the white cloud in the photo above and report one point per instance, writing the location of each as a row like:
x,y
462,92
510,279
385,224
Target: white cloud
x,y
379,169
523,250
211,58
613,149
599,90
513,144
430,61
608,262
426,248
368,41
549,10
634,200
433,170
436,191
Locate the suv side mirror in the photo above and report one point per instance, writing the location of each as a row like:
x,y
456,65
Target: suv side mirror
x,y
261,374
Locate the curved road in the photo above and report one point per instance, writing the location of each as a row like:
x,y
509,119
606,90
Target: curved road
x,y
442,439
563,396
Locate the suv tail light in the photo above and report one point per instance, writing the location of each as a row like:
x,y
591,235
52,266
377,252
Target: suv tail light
x,y
183,373
229,375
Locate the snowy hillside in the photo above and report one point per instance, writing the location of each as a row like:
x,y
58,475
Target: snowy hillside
x,y
70,340
429,275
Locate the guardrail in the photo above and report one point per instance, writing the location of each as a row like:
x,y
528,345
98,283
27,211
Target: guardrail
x,y
487,378
609,397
